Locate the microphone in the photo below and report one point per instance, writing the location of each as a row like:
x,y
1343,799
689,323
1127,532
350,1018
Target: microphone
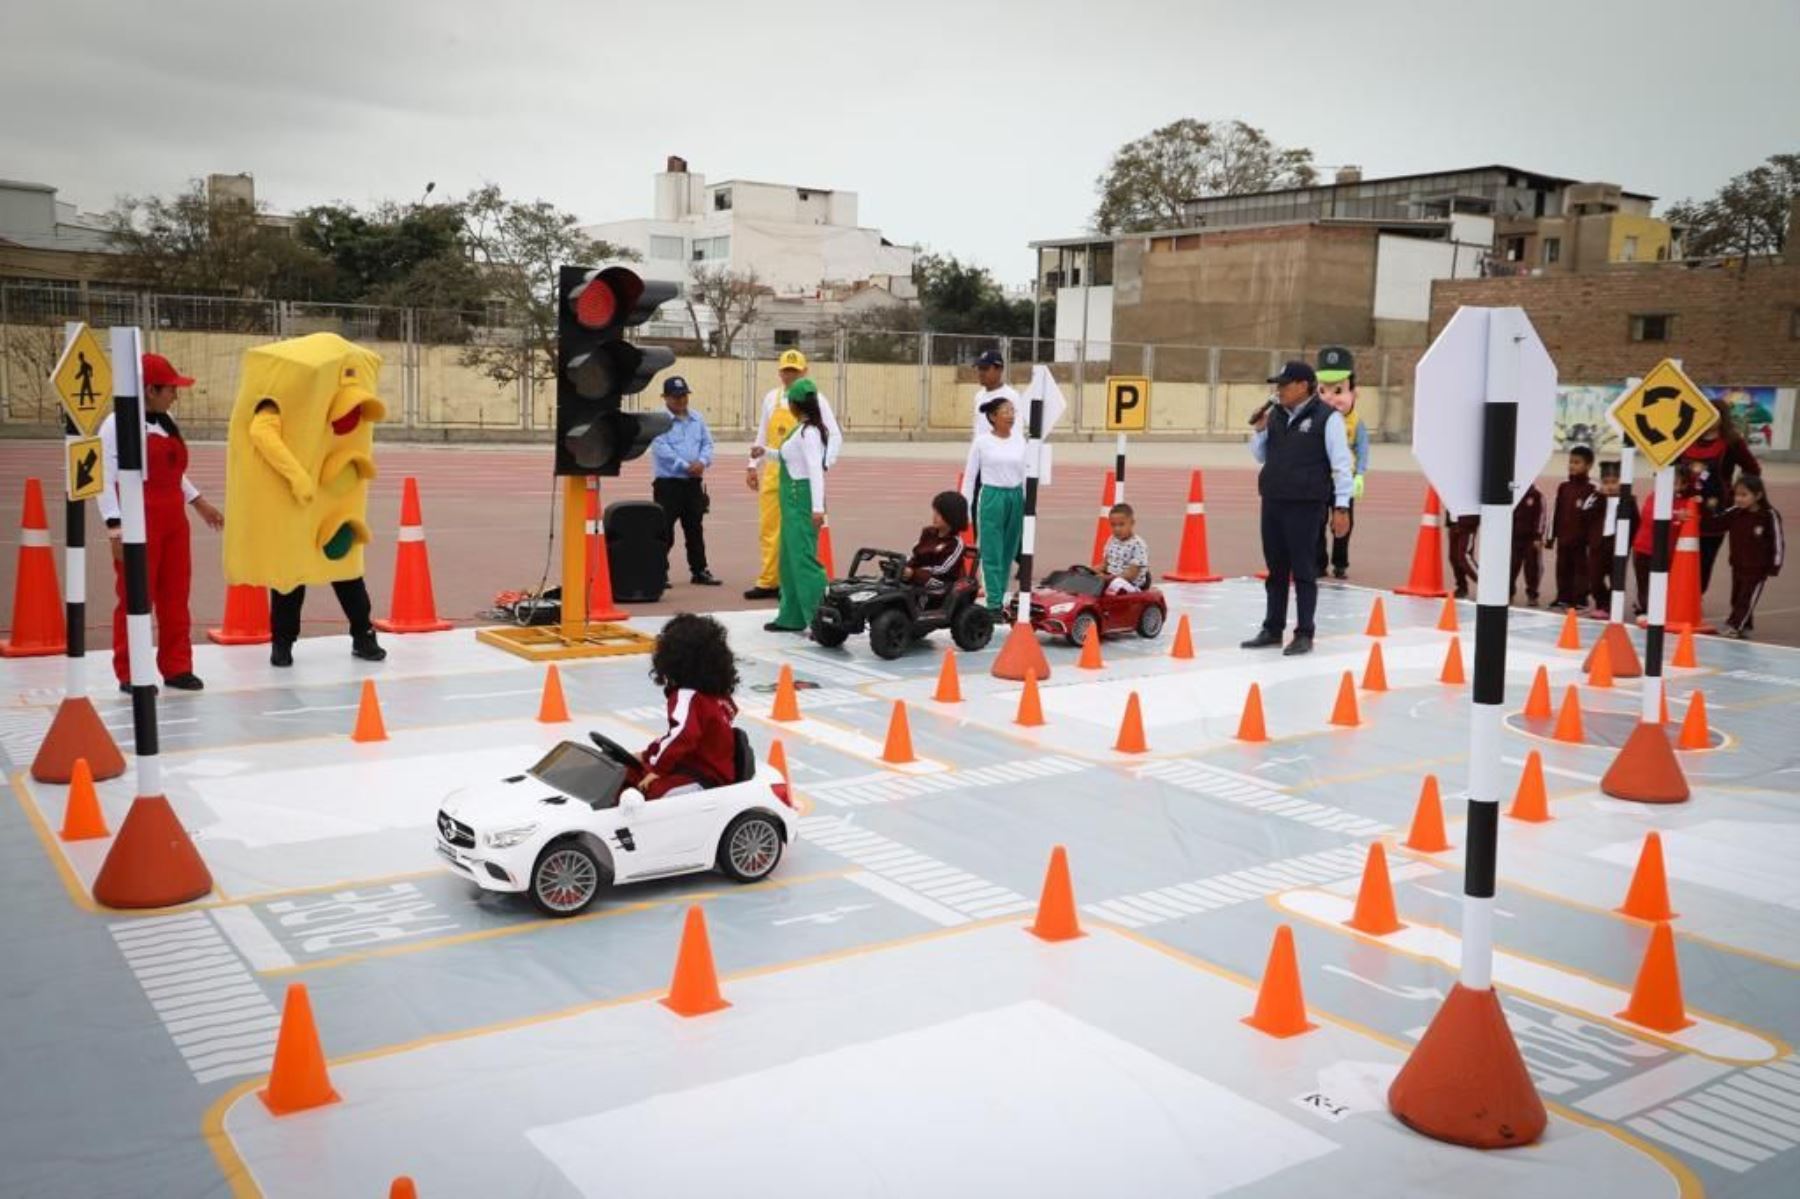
x,y
1257,416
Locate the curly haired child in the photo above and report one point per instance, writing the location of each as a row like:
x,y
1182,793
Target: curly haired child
x,y
694,666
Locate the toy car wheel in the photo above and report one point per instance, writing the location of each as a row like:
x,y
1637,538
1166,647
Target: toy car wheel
x,y
565,879
1078,629
829,636
889,633
750,848
973,627
1150,621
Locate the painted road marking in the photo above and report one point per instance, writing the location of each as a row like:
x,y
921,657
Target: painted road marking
x,y
820,697
1224,890
809,663
21,733
939,892
1216,782
874,789
215,1012
253,940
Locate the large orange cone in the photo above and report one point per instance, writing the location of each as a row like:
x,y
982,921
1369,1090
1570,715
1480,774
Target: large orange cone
x,y
825,556
37,611
1056,919
1447,622
1377,626
369,725
552,709
1343,713
76,732
1601,673
412,610
1131,729
787,704
1090,650
82,818
1570,637
1103,522
1685,610
1648,896
899,748
1684,650
600,602
1427,576
298,1081
1375,673
1192,564
1568,718
1020,653
1427,833
1031,707
1375,912
1453,664
1625,663
1250,725
1656,995
1465,1082
1694,733
152,863
246,617
694,990
1537,704
1531,802
949,686
1646,769
1184,640
1280,1004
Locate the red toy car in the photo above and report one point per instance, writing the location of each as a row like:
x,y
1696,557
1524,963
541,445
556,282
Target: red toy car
x,y
1072,600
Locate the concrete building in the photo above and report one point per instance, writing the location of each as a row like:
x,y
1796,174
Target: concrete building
x,y
42,237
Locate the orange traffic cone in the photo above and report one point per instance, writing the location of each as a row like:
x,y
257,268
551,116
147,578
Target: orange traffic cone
x,y
1090,650
1377,620
1343,713
403,1188
412,609
1684,650
552,709
1374,912
82,818
1184,640
369,725
1427,833
1685,609
1447,616
1571,632
1103,522
1427,576
1656,995
694,990
298,1080
1625,663
1568,719
1646,769
1648,896
76,732
1465,1081
1601,673
1453,664
152,862
1531,802
1537,704
1694,733
1375,673
37,611
1662,702
949,686
899,748
778,759
1250,725
1192,564
825,556
1280,1005
1020,653
246,617
787,705
1131,729
600,602
1031,708
1056,919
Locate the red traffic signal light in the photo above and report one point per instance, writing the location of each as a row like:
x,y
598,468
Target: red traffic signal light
x,y
597,367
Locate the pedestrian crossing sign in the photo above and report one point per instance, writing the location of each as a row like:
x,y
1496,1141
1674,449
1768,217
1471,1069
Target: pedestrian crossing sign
x,y
83,381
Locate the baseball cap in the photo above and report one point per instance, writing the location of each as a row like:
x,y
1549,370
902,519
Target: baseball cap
x,y
1295,372
791,360
802,389
160,372
675,385
1335,364
989,358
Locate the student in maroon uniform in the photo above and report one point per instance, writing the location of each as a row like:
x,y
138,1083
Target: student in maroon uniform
x,y
1572,530
1463,533
1717,458
693,665
1528,543
1605,516
938,559
1757,548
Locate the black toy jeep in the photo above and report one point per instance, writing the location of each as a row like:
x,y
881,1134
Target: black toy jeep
x,y
896,612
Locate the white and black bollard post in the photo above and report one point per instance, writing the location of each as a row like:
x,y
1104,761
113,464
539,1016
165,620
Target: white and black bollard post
x,y
1622,531
1657,610
1119,471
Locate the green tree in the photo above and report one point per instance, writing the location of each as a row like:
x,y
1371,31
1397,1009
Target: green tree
x,y
1149,181
955,297
187,244
1747,218
414,255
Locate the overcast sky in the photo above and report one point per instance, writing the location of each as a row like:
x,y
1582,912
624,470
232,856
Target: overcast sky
x,y
969,127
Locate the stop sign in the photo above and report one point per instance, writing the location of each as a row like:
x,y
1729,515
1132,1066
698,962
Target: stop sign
x,y
1481,351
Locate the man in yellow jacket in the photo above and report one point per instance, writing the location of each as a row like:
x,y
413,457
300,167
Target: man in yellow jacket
x,y
774,423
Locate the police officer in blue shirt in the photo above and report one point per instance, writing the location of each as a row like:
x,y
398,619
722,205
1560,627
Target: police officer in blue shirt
x,y
679,460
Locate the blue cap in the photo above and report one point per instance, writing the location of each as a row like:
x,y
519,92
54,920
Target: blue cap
x,y
989,358
675,385
1295,372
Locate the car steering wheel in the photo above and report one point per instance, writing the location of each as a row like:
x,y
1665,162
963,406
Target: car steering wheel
x,y
613,750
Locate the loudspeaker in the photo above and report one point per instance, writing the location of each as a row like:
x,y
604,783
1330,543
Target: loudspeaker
x,y
638,540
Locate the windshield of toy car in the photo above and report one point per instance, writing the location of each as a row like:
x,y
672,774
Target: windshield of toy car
x,y
1074,582
579,771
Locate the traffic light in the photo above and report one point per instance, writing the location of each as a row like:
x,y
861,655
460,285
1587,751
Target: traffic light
x,y
596,368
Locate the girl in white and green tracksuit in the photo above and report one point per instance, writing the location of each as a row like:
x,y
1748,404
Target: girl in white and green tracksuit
x,y
997,459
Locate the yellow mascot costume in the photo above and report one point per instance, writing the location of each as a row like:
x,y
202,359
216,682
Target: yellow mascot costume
x,y
299,458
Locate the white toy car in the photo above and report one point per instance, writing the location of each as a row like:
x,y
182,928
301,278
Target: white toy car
x,y
570,826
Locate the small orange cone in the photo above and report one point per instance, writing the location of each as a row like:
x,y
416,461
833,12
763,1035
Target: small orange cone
x,y
412,608
1537,704
825,557
1377,620
1090,650
1648,896
82,818
787,706
1374,912
37,612
1427,833
552,709
1184,640
1447,618
298,1081
1453,664
369,726
1427,575
1625,662
1343,714
1031,708
899,750
1192,564
1694,733
1684,650
949,686
1131,729
77,732
1646,770
1571,632
694,990
246,617
600,602
1531,802
1103,522
1020,653
1280,1005
778,759
1568,719
1601,673
1375,673
1056,920
152,862
1250,725
403,1188
1656,995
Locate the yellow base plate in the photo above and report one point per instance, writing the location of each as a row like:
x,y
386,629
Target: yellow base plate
x,y
546,643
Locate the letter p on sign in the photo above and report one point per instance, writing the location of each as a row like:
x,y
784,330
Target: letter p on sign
x,y
1127,404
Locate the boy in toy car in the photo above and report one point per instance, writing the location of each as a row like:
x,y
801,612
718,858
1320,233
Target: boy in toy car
x,y
937,559
1127,556
693,665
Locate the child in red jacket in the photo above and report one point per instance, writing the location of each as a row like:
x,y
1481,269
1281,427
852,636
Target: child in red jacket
x,y
937,560
693,664
1757,548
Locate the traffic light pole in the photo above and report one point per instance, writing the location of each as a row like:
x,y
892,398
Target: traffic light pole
x,y
574,565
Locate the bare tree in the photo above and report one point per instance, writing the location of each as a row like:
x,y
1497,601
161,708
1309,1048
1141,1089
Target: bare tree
x,y
1149,181
733,299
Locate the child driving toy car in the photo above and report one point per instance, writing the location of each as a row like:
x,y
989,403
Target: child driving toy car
x,y
937,560
693,665
1127,556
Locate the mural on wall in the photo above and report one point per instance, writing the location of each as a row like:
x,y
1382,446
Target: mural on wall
x,y
1765,414
1581,418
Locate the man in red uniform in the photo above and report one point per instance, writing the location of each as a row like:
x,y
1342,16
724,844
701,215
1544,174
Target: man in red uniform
x,y
168,557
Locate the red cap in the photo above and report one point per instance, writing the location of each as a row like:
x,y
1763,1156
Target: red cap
x,y
160,372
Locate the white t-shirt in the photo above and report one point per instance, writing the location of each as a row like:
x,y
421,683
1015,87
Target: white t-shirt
x,y
996,461
804,458
777,395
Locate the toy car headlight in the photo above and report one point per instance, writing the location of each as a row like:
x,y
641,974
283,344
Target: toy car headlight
x,y
506,838
861,597
1060,609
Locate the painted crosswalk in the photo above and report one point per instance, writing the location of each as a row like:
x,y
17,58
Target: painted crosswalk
x,y
812,663
821,697
886,788
21,732
1738,1123
1215,782
1224,890
941,893
213,1008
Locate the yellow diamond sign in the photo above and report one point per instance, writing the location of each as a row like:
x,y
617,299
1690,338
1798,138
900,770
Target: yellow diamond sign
x,y
1665,414
83,380
87,468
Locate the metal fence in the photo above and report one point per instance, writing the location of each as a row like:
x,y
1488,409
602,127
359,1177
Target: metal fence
x,y
450,372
